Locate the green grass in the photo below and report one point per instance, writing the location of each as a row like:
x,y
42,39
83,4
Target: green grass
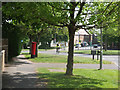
x,y
38,49
48,58
111,52
82,51
82,78
108,52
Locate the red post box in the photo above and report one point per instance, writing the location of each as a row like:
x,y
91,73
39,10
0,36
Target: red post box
x,y
33,49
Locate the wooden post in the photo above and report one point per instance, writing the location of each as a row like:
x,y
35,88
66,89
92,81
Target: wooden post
x,y
3,59
97,56
93,56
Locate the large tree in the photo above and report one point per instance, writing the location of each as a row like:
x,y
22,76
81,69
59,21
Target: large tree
x,y
21,16
75,15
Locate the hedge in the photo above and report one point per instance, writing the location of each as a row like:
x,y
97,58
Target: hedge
x,y
13,34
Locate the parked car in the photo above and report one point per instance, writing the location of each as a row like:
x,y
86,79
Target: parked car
x,y
95,45
84,44
77,46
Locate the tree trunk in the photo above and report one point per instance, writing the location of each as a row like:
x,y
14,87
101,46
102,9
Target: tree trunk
x,y
105,43
37,40
36,53
30,44
49,44
70,52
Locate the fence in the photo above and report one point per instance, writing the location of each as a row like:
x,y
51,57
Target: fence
x,y
2,64
2,59
5,47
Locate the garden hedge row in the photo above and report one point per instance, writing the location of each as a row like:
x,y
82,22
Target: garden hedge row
x,y
13,34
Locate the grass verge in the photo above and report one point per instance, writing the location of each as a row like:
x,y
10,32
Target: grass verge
x,y
49,58
51,48
83,78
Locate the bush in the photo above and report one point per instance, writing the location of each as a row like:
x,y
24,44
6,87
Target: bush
x,y
14,44
43,46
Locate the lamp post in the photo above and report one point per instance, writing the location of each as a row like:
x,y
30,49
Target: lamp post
x,y
55,38
91,45
101,52
78,40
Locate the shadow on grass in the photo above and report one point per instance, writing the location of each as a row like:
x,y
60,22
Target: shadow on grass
x,y
24,58
47,48
59,80
28,56
47,57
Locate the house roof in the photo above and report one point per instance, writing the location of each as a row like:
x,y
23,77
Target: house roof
x,y
81,32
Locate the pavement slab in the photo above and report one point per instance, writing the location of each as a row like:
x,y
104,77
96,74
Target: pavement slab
x,y
21,74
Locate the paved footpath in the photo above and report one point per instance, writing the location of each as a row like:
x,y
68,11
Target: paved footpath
x,y
22,73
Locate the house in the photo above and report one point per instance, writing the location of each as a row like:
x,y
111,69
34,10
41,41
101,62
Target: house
x,y
82,35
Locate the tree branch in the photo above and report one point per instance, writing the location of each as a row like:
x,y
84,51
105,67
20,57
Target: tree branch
x,y
102,13
111,10
81,7
106,7
109,13
105,15
95,26
46,21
